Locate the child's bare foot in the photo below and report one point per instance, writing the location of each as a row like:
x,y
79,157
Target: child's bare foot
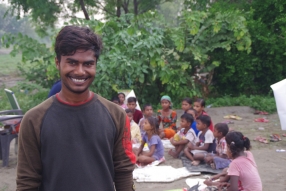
x,y
172,153
196,162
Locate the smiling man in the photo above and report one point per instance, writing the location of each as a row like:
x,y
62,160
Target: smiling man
x,y
75,140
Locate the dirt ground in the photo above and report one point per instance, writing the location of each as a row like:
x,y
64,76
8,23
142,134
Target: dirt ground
x,y
271,164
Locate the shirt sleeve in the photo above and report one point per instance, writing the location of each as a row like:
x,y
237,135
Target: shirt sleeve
x,y
123,158
209,137
173,119
191,136
223,147
233,170
153,140
29,169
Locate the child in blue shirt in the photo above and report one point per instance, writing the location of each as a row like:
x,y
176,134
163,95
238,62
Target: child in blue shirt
x,y
156,148
194,124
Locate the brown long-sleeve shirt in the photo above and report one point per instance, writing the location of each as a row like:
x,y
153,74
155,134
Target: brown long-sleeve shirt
x,y
75,147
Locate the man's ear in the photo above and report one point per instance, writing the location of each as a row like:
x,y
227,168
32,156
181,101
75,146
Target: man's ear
x,y
57,63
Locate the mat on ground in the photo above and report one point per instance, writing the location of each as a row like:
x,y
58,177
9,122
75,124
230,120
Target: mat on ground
x,y
200,168
161,174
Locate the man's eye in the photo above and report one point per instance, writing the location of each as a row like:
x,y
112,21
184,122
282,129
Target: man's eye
x,y
72,62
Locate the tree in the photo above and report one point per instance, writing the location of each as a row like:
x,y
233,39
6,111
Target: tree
x,y
47,13
143,54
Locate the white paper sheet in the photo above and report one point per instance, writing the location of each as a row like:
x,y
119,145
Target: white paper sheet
x,y
279,90
161,174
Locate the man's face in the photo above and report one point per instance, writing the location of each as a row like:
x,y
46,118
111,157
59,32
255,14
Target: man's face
x,y
148,112
131,105
77,71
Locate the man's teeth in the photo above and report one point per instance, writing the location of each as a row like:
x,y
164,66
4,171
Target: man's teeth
x,y
78,80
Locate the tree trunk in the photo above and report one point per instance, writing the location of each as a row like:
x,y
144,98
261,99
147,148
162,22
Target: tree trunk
x,y
84,10
118,8
125,6
135,2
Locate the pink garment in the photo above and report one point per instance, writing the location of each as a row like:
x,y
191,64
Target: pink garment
x,y
124,106
245,168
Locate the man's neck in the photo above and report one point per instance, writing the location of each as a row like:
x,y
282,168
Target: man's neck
x,y
73,98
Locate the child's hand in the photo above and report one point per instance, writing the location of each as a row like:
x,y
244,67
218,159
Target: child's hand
x,y
208,182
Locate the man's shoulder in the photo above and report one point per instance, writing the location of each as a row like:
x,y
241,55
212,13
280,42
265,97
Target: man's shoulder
x,y
108,104
41,108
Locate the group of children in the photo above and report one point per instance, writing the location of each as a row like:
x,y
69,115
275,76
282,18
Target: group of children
x,y
196,138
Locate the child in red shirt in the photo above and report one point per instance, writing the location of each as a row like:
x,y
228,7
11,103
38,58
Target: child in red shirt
x,y
131,104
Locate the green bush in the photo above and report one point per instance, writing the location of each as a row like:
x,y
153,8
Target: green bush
x,y
261,103
253,73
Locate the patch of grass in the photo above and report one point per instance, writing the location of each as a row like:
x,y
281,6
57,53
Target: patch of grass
x,y
262,103
8,64
27,98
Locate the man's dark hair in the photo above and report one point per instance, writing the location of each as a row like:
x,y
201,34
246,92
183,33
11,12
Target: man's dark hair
x,y
72,38
222,127
128,111
131,99
205,119
188,117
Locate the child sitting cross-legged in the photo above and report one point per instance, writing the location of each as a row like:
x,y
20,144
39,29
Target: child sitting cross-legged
x,y
155,145
219,160
206,144
183,136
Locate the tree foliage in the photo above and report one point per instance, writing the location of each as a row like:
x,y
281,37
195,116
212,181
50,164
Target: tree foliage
x,y
145,54
253,73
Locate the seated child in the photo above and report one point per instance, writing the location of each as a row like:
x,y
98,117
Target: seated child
x,y
115,100
199,106
242,170
183,136
147,112
206,143
193,112
186,104
121,97
156,149
134,128
167,117
220,160
131,104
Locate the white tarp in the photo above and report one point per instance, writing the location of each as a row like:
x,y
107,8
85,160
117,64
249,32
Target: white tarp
x,y
161,174
279,90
